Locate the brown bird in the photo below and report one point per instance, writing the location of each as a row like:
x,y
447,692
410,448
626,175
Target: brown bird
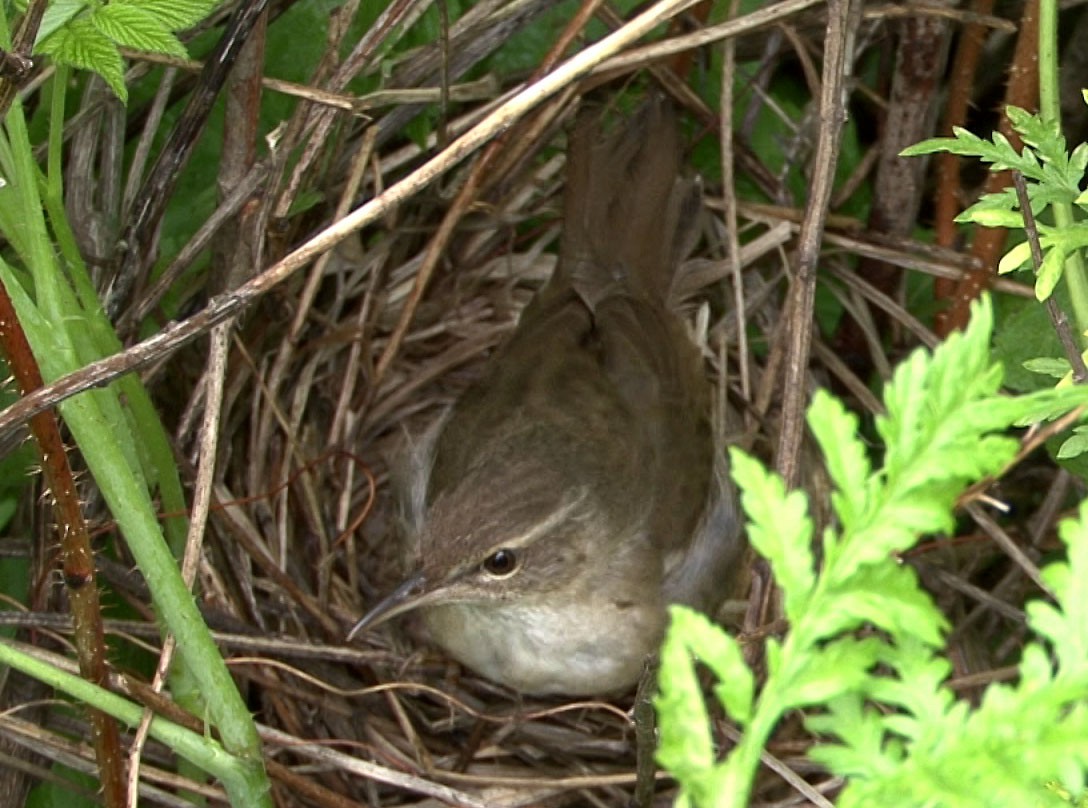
x,y
576,490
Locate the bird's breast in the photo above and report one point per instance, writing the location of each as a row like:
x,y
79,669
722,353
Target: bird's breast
x,y
565,646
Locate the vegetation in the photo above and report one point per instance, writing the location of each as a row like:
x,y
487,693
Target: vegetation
x,y
228,295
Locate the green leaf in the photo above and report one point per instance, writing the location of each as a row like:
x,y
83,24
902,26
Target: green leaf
x,y
1043,405
82,45
1055,367
999,152
991,217
865,750
1014,259
917,686
835,431
134,27
1067,633
685,747
1050,273
1026,333
175,15
719,652
1075,445
861,655
779,528
841,666
886,596
57,14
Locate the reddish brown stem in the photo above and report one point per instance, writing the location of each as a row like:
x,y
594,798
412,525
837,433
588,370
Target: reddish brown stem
x,y
988,243
77,557
949,190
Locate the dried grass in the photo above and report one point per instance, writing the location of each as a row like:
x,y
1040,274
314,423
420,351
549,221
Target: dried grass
x,y
302,536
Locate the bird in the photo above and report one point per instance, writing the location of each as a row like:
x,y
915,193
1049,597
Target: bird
x,y
577,488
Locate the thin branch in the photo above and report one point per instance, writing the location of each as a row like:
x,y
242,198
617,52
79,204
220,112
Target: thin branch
x,y
231,303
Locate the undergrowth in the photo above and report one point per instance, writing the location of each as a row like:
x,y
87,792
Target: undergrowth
x,y
862,657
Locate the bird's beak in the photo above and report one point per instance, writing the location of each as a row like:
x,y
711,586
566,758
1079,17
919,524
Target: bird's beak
x,y
402,599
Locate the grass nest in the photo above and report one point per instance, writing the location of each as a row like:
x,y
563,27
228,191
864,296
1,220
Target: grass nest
x,y
329,374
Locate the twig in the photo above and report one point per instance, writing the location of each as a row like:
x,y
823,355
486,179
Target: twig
x,y
838,47
18,58
229,304
1058,317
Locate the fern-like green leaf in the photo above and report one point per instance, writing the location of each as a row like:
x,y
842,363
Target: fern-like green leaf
x,y
686,745
999,152
1067,629
842,666
779,528
835,431
865,750
886,596
861,651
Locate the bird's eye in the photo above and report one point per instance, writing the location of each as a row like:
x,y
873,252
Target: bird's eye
x,y
500,563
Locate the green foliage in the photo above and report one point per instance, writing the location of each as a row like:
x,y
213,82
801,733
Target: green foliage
x,y
1053,176
118,433
88,34
862,655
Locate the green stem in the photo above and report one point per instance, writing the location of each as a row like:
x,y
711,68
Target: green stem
x,y
244,780
66,327
1050,109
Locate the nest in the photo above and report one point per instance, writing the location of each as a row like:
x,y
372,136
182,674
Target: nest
x,y
332,373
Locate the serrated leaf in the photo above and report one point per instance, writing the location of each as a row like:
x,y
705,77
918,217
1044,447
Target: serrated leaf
x,y
917,686
864,751
57,14
1036,670
134,27
1069,238
1078,160
175,15
779,528
686,747
81,45
1043,405
835,431
841,666
925,392
712,646
946,425
906,403
930,146
888,597
1066,580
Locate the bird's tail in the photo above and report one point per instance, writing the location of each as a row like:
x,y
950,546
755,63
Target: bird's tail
x,y
628,216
